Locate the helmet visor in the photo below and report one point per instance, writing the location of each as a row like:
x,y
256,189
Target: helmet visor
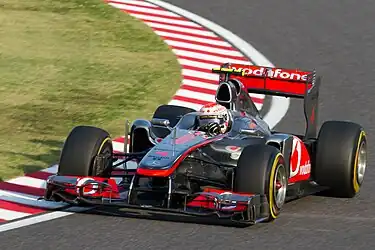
x,y
206,119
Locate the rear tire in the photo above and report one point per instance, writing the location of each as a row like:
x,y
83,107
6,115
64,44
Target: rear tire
x,y
80,149
341,158
261,170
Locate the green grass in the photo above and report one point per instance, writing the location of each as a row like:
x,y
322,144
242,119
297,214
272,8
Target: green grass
x,y
69,62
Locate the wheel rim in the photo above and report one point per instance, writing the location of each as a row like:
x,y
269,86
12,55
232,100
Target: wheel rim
x,y
362,162
280,186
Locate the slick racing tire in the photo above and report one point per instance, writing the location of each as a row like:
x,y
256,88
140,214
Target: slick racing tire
x,y
341,158
261,170
172,113
78,156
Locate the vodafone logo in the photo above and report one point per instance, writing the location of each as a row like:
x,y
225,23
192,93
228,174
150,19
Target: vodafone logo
x,y
93,188
299,162
276,73
296,157
233,149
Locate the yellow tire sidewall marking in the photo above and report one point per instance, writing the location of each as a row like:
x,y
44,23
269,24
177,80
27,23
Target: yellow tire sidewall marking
x,y
102,145
356,186
271,185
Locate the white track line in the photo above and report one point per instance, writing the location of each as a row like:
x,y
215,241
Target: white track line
x,y
176,28
135,2
192,38
185,104
203,56
165,20
163,13
29,182
195,95
200,84
41,218
203,75
6,214
223,52
51,170
30,200
186,62
118,146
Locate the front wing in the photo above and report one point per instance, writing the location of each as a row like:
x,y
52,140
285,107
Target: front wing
x,y
243,208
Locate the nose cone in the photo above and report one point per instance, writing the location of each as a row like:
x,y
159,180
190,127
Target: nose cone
x,y
158,159
164,154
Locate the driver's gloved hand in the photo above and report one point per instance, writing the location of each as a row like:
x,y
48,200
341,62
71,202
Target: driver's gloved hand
x,y
213,128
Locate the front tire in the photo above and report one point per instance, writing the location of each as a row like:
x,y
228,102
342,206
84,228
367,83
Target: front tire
x,y
261,170
341,158
81,148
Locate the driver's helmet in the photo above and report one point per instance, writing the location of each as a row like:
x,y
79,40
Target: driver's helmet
x,y
214,113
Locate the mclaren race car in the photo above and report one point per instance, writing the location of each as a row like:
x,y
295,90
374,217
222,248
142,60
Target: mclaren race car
x,y
244,175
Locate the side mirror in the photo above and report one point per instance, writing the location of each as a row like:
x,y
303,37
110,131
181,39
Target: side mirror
x,y
160,122
251,132
165,123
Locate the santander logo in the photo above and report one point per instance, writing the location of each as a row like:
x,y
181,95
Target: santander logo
x,y
274,73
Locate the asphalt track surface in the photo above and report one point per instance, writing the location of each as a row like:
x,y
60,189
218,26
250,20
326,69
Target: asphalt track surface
x,y
334,37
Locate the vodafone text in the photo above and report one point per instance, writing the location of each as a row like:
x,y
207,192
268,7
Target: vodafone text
x,y
276,73
305,169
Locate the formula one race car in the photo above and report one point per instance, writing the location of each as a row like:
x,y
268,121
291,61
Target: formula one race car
x,y
244,175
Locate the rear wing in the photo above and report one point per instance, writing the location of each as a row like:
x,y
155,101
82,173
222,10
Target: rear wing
x,y
292,83
269,81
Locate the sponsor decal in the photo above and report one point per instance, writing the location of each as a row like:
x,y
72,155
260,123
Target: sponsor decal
x,y
235,156
235,152
305,169
233,148
185,138
158,158
275,73
300,162
162,153
89,189
225,201
155,163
